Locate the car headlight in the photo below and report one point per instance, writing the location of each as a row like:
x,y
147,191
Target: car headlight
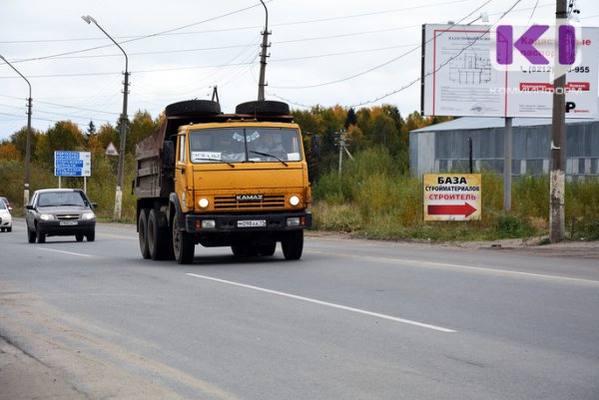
x,y
88,216
47,217
294,200
203,203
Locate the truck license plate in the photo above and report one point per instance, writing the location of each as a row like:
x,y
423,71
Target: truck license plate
x,y
251,223
68,223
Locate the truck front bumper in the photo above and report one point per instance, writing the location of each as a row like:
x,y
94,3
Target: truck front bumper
x,y
275,222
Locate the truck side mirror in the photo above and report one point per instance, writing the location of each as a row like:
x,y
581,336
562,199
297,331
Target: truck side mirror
x,y
168,153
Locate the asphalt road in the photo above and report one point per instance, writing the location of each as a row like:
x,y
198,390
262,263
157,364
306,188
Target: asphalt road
x,y
351,320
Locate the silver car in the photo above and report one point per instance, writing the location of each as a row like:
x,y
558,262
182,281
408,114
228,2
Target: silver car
x,y
60,212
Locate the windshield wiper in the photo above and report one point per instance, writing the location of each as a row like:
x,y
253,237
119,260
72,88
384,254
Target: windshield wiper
x,y
230,164
269,155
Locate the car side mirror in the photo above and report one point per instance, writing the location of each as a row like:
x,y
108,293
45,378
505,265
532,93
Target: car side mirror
x,y
9,209
94,205
29,207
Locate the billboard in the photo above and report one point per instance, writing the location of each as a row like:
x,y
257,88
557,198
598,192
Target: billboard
x,y
461,75
452,197
72,163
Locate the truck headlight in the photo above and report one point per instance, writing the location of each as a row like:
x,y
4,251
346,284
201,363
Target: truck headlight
x,y
47,217
203,203
88,216
294,200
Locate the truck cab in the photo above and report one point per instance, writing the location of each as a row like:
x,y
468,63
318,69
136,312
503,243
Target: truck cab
x,y
238,180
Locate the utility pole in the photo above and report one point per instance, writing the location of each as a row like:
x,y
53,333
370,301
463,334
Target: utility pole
x,y
507,164
28,142
341,144
265,45
557,186
123,125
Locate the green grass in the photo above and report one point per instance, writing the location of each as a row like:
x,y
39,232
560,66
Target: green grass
x,y
373,200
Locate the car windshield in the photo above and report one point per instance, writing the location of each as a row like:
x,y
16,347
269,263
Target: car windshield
x,y
2,205
58,199
245,144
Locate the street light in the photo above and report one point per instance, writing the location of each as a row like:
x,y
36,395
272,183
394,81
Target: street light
x,y
124,119
28,145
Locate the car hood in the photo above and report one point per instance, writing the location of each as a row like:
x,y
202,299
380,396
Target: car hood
x,y
63,210
4,214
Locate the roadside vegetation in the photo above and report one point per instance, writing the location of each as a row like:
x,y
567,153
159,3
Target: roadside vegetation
x,y
374,198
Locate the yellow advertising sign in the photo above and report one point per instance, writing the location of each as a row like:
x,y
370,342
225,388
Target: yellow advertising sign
x,y
452,197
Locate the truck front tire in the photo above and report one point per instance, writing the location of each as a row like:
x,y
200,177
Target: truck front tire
x,y
183,245
159,243
293,245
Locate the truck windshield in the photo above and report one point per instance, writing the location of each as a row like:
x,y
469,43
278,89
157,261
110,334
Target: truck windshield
x,y
245,144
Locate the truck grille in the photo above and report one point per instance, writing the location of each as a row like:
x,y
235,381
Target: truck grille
x,y
67,217
231,202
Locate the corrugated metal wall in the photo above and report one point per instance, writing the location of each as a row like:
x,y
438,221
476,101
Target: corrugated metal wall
x,y
531,150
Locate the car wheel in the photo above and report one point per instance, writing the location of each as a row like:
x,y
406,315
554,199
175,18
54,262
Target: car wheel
x,y
30,236
91,236
1,229
41,237
9,229
79,237
142,228
293,245
183,245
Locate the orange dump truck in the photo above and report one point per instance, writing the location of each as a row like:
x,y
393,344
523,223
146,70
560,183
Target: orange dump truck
x,y
237,180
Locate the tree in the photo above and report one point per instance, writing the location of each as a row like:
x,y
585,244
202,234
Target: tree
x,y
140,127
19,139
351,118
91,129
8,151
64,135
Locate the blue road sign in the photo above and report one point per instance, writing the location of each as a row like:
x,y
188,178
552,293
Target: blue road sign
x,y
72,163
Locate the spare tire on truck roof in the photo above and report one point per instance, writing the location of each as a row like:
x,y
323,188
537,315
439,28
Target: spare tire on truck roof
x,y
192,108
266,107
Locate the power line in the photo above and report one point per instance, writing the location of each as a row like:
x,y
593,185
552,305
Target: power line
x,y
182,68
291,23
378,66
141,37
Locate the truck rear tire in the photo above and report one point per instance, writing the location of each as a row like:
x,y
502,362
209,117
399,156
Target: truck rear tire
x,y
159,243
293,245
142,227
183,245
267,249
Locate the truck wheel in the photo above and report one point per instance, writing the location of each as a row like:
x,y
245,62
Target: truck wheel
x,y
293,245
267,249
241,250
192,108
265,107
142,227
158,238
183,245
79,237
30,236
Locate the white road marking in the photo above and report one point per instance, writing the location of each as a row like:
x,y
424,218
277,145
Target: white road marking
x,y
438,265
65,252
326,303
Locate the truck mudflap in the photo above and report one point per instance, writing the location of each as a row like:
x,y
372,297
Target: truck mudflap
x,y
275,222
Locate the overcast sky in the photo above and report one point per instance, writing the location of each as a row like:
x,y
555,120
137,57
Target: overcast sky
x,y
313,43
